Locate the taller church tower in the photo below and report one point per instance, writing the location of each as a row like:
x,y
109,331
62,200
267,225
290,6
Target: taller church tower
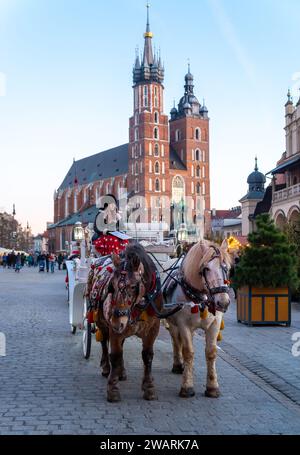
x,y
148,172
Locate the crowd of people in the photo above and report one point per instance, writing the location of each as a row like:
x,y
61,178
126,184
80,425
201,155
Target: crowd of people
x,y
44,261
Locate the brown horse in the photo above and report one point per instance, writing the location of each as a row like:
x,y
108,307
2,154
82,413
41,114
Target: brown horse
x,y
202,277
126,308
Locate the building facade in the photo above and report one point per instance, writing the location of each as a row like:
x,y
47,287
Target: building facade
x,y
286,176
163,170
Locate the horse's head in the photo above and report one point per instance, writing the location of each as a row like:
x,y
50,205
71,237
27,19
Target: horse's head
x,y
127,290
214,270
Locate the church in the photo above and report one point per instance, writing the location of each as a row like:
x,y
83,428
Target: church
x,y
164,168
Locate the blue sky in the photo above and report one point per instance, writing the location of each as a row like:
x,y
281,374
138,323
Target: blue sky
x,y
67,70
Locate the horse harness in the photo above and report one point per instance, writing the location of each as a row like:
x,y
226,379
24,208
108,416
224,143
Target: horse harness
x,y
199,298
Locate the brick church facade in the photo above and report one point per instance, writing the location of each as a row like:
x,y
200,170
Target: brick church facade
x,y
164,168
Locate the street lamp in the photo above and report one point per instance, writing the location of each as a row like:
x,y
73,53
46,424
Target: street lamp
x,y
182,234
78,231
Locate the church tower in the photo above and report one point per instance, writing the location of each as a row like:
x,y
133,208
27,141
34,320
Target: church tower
x,y
189,140
148,173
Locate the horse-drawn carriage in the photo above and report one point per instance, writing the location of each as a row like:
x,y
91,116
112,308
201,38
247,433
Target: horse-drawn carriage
x,y
128,293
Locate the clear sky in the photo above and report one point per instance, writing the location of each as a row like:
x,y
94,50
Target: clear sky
x,y
65,85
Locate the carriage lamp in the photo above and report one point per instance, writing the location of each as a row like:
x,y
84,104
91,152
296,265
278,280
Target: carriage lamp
x,y
182,234
78,231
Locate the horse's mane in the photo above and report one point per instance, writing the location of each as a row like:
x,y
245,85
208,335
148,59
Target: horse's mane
x,y
199,255
135,254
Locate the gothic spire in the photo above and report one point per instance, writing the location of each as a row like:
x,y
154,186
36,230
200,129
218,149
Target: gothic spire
x,y
148,51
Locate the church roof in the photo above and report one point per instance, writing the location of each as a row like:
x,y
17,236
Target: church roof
x,y
103,165
86,216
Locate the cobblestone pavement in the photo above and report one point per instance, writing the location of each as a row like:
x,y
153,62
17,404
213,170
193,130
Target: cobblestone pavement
x,y
47,387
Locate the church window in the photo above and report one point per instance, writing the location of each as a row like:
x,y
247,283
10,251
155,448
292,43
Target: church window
x,y
197,134
157,167
150,149
197,155
156,150
155,117
203,172
136,168
136,134
132,152
162,150
140,149
157,185
177,135
198,188
164,185
156,136
141,167
136,185
145,96
136,118
163,167
203,188
198,173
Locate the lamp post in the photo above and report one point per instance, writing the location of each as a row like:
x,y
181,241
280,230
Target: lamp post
x,y
80,239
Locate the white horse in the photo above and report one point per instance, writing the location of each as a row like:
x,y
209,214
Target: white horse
x,y
202,277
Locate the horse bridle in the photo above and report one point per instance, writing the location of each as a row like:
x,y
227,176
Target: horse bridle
x,y
220,289
122,288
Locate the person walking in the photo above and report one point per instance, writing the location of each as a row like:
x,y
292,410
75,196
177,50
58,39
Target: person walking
x,y
18,263
47,262
60,261
52,262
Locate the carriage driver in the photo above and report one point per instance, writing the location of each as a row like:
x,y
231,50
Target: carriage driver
x,y
107,238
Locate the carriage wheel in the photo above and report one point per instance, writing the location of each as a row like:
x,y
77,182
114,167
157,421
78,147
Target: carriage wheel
x,y
87,333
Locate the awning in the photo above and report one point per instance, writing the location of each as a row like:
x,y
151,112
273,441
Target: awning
x,y
284,166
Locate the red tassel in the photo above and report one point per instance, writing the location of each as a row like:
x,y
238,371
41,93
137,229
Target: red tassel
x,y
90,317
195,309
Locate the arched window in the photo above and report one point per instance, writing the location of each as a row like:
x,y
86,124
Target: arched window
x,y
140,149
198,188
178,189
156,135
157,167
198,172
145,96
136,117
157,185
136,134
155,117
197,155
137,189
177,135
156,150
141,167
136,151
136,168
197,134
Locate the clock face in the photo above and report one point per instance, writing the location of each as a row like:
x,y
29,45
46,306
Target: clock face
x,y
100,222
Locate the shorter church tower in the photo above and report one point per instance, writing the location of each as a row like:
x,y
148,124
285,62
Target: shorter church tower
x,y
189,141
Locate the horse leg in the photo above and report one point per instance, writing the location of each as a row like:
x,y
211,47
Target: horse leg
x,y
116,364
104,363
147,355
123,374
178,366
187,387
212,386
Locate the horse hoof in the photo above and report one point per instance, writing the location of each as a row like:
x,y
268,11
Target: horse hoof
x,y
113,396
105,374
189,392
211,392
123,376
150,394
178,369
